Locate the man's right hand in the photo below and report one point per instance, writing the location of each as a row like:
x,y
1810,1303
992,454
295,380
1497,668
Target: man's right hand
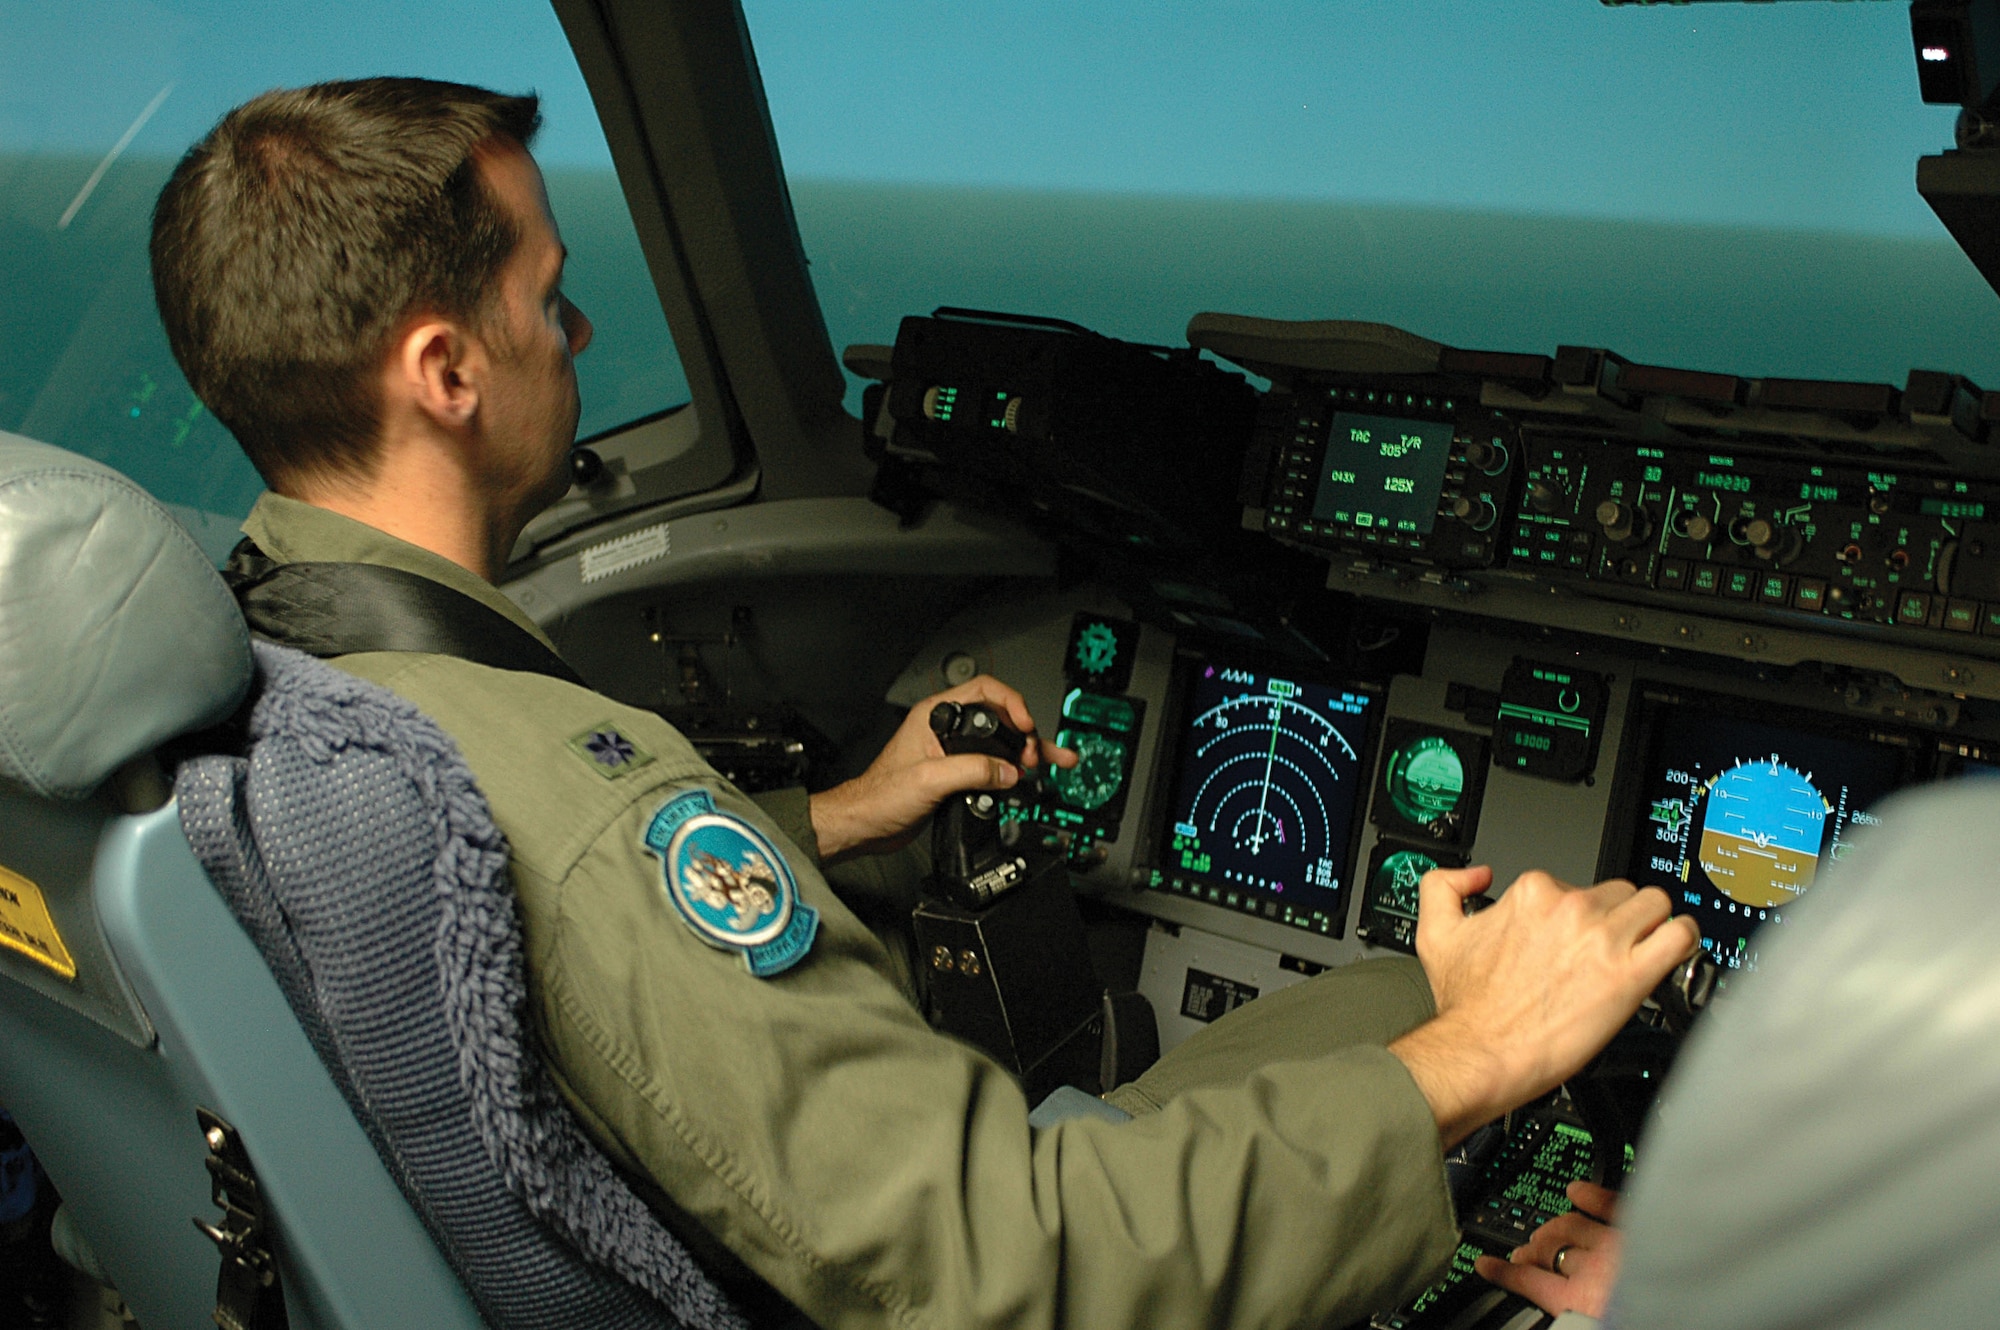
x,y
1529,990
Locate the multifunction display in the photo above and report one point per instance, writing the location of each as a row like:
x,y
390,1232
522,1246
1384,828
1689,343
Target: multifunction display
x,y
1735,818
1383,473
1266,799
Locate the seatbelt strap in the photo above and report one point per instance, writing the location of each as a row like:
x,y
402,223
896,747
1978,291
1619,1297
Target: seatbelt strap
x,y
338,609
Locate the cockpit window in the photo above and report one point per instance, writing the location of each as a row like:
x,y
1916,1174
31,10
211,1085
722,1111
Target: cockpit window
x,y
1721,187
98,99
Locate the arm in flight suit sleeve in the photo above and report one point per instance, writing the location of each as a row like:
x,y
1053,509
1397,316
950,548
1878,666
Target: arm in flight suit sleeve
x,y
875,1172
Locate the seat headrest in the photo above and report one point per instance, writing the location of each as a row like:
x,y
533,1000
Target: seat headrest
x,y
116,633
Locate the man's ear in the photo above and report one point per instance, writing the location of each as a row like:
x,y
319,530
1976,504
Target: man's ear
x,y
440,369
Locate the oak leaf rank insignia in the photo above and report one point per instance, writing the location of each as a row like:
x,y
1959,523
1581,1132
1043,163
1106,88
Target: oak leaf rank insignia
x,y
609,751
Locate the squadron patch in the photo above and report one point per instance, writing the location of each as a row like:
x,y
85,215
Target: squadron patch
x,y
608,751
730,884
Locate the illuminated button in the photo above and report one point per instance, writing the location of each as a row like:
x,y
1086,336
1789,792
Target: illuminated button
x,y
1961,616
1739,583
1810,595
1774,589
1989,620
1707,578
1913,607
1674,574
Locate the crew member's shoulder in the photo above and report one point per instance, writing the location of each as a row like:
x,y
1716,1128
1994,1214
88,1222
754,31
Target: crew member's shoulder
x,y
541,748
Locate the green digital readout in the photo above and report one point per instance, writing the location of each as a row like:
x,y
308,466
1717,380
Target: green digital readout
x,y
1723,480
1970,509
1383,473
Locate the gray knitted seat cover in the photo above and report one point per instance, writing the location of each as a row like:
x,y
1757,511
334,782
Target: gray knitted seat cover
x,y
356,850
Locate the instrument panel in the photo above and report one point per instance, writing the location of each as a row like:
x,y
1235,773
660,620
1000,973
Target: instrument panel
x,y
1685,628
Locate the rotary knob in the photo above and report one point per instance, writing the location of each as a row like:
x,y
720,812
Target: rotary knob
x,y
1695,526
1622,521
1545,496
1489,457
1475,513
1768,540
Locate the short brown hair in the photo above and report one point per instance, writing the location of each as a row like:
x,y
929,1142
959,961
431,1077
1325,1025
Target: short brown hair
x,y
291,242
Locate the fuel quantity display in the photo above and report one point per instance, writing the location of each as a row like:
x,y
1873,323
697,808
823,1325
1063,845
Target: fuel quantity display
x,y
1264,815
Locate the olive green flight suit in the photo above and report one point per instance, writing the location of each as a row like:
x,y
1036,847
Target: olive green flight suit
x,y
1282,1167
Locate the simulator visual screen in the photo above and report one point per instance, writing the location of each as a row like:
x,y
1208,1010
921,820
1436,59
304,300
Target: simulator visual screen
x,y
1735,818
1267,798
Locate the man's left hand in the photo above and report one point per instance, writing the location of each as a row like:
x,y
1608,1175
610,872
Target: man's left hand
x,y
881,808
1589,1251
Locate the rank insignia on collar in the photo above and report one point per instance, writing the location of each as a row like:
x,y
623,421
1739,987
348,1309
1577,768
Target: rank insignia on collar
x,y
608,751
730,885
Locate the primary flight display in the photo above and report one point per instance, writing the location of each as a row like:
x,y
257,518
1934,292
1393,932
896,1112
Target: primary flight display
x,y
1739,816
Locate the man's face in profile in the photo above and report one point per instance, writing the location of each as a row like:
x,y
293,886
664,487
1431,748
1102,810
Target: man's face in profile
x,y
532,333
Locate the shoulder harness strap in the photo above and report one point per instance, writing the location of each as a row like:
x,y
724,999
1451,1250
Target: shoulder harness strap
x,y
338,609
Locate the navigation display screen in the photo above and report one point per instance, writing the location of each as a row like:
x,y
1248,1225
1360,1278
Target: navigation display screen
x,y
1266,807
1383,473
1734,818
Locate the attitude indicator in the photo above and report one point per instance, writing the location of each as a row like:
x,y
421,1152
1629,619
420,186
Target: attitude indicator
x,y
1762,823
1735,818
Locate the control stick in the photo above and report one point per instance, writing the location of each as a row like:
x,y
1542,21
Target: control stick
x,y
976,851
974,727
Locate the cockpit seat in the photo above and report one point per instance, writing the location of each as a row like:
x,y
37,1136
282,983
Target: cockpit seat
x,y
356,849
130,994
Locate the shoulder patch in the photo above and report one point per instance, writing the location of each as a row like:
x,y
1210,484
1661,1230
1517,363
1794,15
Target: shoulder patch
x,y
608,751
730,885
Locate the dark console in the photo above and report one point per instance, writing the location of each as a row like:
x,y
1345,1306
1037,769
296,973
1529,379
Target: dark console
x,y
1443,476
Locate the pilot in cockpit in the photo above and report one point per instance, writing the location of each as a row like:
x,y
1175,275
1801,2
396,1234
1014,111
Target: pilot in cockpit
x,y
363,281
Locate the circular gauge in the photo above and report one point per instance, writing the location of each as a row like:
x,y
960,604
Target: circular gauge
x,y
1098,774
1762,822
1425,780
1394,886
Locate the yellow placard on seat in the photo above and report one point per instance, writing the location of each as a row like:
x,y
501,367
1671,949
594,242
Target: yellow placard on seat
x,y
25,925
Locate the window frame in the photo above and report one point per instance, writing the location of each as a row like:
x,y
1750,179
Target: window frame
x,y
697,159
